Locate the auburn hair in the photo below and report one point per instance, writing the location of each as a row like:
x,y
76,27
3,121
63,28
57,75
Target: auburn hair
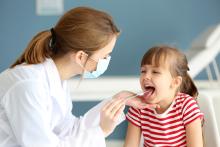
x,y
81,28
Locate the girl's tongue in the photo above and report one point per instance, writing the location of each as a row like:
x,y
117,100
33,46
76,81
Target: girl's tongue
x,y
148,92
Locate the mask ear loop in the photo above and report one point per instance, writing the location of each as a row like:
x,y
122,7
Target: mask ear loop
x,y
88,57
84,69
83,66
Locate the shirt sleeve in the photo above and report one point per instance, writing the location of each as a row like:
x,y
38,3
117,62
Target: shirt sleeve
x,y
191,111
133,116
80,135
27,111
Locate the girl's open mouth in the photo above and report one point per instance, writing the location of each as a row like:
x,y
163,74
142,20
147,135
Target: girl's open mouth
x,y
149,90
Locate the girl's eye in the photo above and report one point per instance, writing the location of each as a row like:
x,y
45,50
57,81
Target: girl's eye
x,y
156,72
143,71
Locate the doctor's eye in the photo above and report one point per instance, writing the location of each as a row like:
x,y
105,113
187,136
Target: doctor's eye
x,y
106,56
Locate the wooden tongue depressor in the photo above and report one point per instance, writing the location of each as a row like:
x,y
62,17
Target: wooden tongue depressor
x,y
142,94
137,94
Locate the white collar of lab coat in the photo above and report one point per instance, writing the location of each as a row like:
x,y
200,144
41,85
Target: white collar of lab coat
x,y
57,86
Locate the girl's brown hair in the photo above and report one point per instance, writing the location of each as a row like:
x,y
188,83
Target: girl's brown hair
x,y
178,64
81,28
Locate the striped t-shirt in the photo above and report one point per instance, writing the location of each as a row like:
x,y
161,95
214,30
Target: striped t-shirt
x,y
167,129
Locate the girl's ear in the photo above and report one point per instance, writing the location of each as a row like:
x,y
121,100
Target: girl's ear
x,y
177,81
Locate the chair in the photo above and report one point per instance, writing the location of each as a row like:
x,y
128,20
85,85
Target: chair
x,y
209,102
203,51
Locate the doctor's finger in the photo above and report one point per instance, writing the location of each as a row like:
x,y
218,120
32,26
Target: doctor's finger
x,y
118,113
109,102
115,109
109,106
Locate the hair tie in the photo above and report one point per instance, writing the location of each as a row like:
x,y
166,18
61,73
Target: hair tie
x,y
188,68
52,42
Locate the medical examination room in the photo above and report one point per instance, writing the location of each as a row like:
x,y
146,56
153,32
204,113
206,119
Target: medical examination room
x,y
110,73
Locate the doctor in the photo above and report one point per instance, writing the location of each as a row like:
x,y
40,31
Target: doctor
x,y
35,107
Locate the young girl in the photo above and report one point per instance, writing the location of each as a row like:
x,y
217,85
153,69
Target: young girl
x,y
176,121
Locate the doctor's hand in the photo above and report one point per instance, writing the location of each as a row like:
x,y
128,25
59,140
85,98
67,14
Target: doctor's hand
x,y
110,114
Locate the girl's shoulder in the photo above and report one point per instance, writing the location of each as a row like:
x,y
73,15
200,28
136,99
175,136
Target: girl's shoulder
x,y
183,97
186,102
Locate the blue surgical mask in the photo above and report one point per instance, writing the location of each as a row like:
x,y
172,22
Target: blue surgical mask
x,y
100,69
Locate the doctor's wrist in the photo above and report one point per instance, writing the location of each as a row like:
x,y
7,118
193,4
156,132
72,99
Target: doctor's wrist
x,y
106,132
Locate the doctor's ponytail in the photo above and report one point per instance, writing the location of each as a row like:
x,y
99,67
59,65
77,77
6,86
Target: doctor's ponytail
x,y
37,50
81,28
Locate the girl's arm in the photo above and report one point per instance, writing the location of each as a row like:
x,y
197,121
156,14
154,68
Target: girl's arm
x,y
194,134
133,136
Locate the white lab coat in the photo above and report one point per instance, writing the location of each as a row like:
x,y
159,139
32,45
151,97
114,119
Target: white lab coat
x,y
35,111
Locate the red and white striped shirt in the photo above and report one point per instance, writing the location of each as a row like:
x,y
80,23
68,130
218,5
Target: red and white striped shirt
x,y
166,129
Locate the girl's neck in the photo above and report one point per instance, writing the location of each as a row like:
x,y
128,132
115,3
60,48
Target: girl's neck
x,y
164,105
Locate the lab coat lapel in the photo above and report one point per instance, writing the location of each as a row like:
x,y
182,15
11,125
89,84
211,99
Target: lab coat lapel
x,y
57,87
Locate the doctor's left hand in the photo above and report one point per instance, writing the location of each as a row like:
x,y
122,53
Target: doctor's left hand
x,y
110,114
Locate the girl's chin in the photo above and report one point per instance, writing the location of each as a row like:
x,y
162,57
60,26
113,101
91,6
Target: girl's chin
x,y
150,101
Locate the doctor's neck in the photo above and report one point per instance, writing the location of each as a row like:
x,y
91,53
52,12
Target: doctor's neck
x,y
65,68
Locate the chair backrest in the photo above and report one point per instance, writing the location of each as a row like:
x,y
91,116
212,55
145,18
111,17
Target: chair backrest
x,y
204,49
209,102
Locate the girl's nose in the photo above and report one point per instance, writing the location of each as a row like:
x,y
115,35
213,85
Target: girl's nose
x,y
147,76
